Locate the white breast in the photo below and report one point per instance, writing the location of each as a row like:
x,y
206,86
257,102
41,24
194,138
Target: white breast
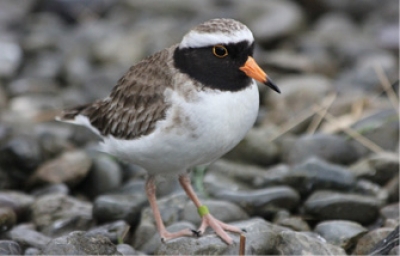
x,y
196,131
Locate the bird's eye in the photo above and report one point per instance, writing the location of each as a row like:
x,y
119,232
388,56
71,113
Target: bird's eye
x,y
220,51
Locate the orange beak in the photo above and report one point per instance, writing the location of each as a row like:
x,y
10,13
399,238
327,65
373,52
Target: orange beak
x,y
251,69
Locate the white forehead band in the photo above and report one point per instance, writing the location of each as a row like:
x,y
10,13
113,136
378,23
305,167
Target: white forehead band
x,y
196,39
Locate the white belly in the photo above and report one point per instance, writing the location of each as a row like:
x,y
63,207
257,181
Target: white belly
x,y
209,127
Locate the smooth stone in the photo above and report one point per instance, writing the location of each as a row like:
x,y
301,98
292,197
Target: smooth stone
x,y
13,12
391,211
225,211
234,175
308,176
296,223
304,62
108,208
7,218
51,190
363,75
104,175
69,168
10,57
30,85
21,153
27,237
287,16
392,187
261,239
8,247
297,243
116,231
70,12
44,31
151,245
31,251
30,107
80,243
379,168
256,148
258,202
314,174
367,243
59,214
382,128
340,232
19,202
330,205
126,249
366,187
131,187
329,147
46,64
297,92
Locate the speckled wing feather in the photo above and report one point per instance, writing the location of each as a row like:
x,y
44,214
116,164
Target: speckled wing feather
x,y
135,104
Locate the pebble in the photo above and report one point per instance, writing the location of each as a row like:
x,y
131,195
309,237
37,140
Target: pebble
x,y
297,243
30,85
261,239
329,147
51,190
19,202
296,223
21,152
116,231
392,187
7,218
104,176
258,202
297,92
310,175
9,247
382,128
57,214
46,65
329,205
287,16
256,148
340,232
390,211
369,240
225,211
108,208
10,57
70,168
80,243
378,168
126,249
26,236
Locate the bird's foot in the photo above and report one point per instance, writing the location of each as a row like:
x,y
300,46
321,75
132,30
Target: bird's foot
x,y
165,235
219,227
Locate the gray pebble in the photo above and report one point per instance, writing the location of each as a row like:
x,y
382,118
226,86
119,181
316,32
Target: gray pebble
x,y
340,232
329,205
8,247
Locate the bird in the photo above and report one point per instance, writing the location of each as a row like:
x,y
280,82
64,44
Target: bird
x,y
184,106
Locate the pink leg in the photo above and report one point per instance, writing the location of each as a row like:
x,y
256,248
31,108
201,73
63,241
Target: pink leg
x,y
165,235
208,220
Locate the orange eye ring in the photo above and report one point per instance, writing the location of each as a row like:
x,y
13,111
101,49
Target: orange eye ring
x,y
220,51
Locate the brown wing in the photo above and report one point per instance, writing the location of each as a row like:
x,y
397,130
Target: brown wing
x,y
135,104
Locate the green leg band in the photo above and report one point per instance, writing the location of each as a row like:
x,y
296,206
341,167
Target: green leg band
x,y
203,210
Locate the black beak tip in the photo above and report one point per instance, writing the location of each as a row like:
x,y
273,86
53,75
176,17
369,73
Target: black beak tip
x,y
272,85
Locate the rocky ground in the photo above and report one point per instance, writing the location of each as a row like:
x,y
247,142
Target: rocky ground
x,y
317,175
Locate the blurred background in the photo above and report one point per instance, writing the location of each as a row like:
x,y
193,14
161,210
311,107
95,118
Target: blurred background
x,y
336,62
